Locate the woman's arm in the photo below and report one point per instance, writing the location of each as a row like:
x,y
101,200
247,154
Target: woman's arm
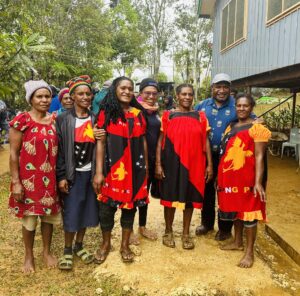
x,y
99,133
99,177
63,184
146,156
209,168
260,148
15,140
159,172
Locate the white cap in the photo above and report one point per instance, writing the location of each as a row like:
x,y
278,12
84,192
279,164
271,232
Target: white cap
x,y
221,77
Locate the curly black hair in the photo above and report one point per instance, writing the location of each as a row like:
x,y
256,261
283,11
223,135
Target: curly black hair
x,y
111,106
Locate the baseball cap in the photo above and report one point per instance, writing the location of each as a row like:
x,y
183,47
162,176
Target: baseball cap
x,y
221,77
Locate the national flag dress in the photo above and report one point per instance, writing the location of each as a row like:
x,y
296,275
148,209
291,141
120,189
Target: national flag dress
x,y
125,183
236,173
183,158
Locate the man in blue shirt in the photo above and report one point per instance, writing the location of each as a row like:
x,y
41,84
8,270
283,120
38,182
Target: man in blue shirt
x,y
220,112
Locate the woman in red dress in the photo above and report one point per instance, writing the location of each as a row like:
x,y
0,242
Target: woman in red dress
x,y
33,153
121,164
242,177
183,163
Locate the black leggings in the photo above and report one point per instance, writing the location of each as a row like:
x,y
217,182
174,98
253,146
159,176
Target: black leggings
x,y
107,217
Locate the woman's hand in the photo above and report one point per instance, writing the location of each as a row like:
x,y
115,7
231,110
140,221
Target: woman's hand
x,y
209,173
259,189
99,133
98,181
63,186
17,191
159,172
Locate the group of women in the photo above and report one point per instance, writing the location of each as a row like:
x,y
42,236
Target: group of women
x,y
112,160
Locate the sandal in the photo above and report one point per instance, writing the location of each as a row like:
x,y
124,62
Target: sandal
x,y
127,256
85,255
65,262
100,256
187,242
168,240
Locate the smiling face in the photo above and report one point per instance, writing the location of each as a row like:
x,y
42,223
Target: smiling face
x,y
220,91
185,98
41,100
149,95
67,101
82,96
243,108
124,91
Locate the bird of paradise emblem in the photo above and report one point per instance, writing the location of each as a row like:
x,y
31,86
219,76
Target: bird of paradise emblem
x,y
237,155
88,132
120,173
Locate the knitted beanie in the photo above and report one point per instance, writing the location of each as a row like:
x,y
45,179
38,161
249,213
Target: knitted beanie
x,y
62,93
76,81
32,86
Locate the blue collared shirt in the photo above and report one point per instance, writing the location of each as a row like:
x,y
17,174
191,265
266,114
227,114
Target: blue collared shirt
x,y
218,117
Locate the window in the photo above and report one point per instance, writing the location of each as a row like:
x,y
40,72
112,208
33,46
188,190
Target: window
x,y
233,23
278,8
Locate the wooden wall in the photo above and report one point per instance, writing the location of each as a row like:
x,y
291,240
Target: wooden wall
x,y
266,47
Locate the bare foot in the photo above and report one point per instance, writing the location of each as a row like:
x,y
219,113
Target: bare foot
x,y
247,261
147,233
134,239
233,246
50,260
28,266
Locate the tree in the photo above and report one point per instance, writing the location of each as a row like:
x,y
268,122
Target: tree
x,y
128,41
192,53
53,40
158,26
162,77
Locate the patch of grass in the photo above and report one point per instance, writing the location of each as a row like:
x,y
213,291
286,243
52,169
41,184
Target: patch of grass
x,y
45,282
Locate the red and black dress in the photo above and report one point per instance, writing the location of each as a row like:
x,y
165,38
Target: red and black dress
x,y
125,184
236,173
183,157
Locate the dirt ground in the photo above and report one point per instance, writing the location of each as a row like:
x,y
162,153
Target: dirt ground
x,y
157,270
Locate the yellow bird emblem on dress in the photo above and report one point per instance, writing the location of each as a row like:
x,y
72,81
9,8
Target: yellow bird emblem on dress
x,y
120,173
135,111
237,155
89,131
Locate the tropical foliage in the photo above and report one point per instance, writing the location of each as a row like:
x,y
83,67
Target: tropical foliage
x,y
58,39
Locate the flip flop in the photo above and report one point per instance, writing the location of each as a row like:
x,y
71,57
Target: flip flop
x,y
85,256
127,256
102,256
65,262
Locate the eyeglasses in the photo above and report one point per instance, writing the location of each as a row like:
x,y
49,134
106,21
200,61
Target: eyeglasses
x,y
149,93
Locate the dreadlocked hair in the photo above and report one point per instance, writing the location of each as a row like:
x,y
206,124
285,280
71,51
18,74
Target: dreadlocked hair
x,y
111,105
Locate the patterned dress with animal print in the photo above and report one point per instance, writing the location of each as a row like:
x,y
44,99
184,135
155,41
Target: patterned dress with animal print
x,y
36,168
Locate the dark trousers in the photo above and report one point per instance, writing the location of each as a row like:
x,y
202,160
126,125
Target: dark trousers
x,y
107,217
152,185
208,213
